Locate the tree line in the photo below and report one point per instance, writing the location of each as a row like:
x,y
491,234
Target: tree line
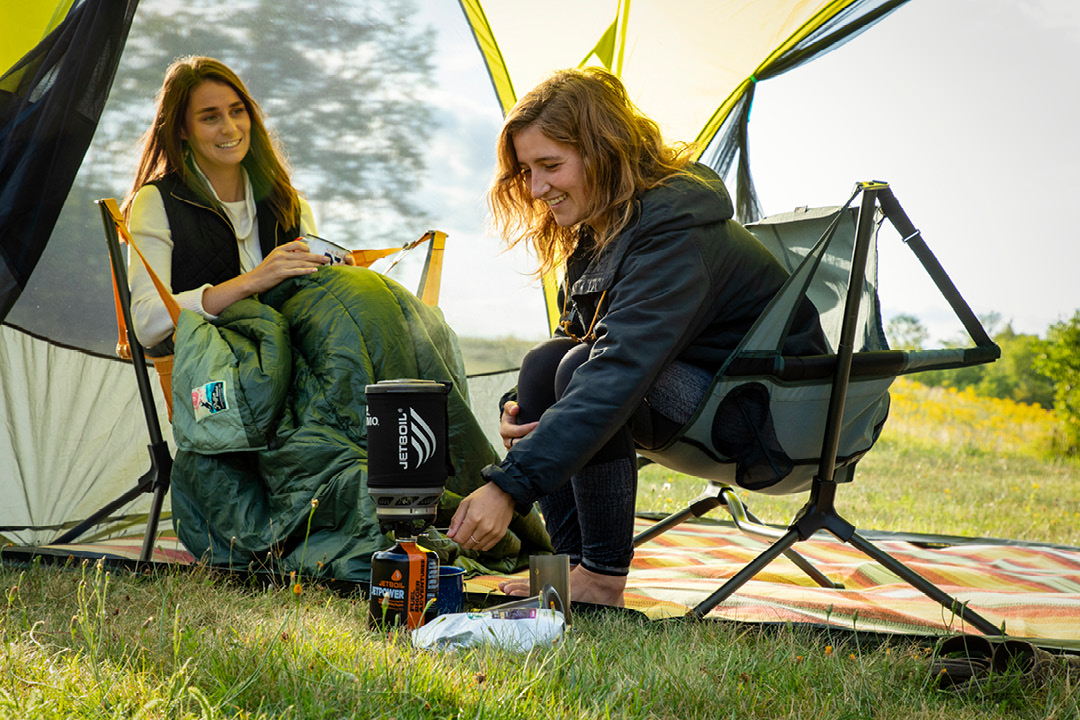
x,y
1032,369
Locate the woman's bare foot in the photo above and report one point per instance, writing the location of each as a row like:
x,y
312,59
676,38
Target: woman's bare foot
x,y
585,586
590,587
518,587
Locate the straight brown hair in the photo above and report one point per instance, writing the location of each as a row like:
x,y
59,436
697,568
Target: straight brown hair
x,y
163,150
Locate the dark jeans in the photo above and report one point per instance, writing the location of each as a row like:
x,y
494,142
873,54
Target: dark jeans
x,y
591,518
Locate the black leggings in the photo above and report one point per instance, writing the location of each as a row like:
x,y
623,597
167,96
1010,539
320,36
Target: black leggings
x,y
591,518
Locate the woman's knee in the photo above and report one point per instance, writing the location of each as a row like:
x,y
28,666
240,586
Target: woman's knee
x,y
537,377
544,357
574,358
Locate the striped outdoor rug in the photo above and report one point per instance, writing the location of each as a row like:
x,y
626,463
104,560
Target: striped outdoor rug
x,y
167,549
1034,590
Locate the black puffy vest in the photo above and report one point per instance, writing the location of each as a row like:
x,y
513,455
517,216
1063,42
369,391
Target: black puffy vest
x,y
205,249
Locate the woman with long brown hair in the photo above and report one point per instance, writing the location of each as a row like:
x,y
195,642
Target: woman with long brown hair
x,y
660,285
282,470
212,207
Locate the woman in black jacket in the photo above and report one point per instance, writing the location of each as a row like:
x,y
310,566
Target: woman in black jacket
x,y
661,284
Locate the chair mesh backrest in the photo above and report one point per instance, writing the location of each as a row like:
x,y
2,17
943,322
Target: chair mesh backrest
x,y
828,234
766,434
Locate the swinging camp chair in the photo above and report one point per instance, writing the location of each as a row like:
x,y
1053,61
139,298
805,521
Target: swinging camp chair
x,y
156,479
779,425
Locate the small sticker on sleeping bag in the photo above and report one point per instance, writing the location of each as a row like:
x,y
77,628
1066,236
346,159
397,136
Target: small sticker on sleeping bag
x,y
209,399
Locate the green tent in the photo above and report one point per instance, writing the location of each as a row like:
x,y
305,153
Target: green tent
x,y
350,88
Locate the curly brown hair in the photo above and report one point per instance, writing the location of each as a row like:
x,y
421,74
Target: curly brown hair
x,y
622,153
163,149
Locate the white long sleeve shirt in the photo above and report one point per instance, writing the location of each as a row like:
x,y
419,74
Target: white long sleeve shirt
x,y
149,226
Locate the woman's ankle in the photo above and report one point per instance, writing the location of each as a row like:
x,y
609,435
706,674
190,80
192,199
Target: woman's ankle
x,y
596,588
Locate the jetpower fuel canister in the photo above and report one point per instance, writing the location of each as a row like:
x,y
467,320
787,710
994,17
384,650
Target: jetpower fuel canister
x,y
404,585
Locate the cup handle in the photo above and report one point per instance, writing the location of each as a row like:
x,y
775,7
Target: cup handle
x,y
549,599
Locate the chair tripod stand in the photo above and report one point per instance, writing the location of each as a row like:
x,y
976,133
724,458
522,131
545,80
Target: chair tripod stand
x,y
156,479
850,421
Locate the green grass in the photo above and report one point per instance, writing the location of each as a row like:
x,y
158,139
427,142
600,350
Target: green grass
x,y
83,642
904,487
482,355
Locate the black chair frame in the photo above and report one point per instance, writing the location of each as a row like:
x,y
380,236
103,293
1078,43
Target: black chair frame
x,y
156,479
820,513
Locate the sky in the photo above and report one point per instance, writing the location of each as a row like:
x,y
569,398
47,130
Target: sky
x,y
967,108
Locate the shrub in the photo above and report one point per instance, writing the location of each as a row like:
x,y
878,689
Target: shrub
x,y
1058,358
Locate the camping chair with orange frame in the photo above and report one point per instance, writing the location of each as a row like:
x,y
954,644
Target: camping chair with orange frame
x,y
156,479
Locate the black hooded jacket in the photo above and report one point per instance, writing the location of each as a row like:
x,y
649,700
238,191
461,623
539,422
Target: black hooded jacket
x,y
683,281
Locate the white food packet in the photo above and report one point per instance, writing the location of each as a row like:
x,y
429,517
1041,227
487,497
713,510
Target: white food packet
x,y
321,246
466,630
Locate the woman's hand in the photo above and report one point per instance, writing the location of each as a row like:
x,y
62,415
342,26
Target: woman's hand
x,y
482,518
508,427
285,261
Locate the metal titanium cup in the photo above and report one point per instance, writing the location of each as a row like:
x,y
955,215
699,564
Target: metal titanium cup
x,y
553,571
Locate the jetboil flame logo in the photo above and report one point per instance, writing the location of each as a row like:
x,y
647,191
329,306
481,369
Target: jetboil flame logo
x,y
415,433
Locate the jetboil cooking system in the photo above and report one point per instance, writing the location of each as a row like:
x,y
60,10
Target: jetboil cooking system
x,y
408,463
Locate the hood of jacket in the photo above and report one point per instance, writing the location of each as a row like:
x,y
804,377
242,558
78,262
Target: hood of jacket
x,y
681,203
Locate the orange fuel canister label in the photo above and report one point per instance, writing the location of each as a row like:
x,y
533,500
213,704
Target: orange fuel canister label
x,y
416,595
398,593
